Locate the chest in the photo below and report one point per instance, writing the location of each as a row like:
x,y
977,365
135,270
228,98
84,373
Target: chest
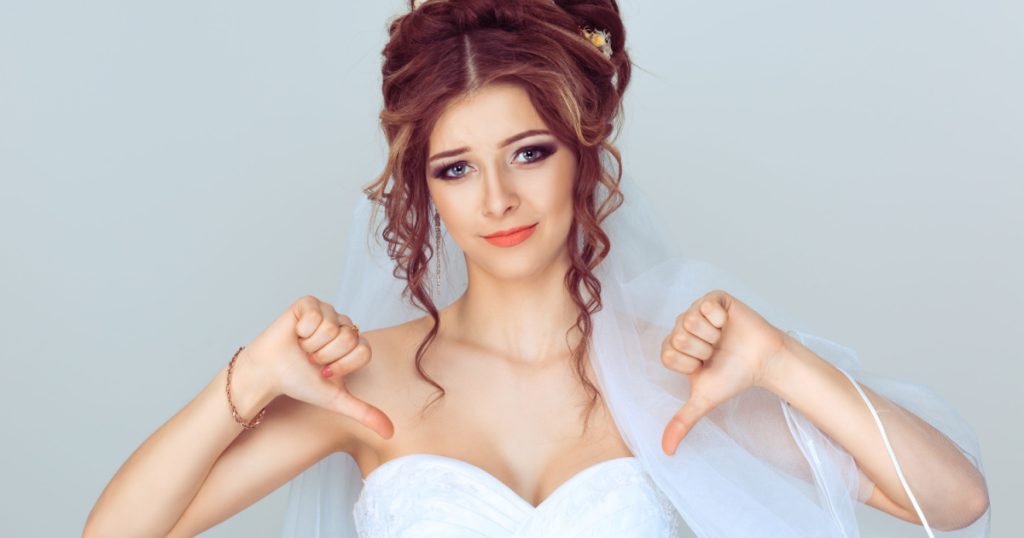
x,y
523,425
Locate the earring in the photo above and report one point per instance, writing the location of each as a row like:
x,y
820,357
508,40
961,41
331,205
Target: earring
x,y
437,252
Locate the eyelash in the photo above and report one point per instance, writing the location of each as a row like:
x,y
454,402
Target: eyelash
x,y
546,151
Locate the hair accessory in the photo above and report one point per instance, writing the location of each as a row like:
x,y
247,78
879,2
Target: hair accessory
x,y
601,39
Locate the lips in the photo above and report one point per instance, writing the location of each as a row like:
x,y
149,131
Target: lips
x,y
511,237
509,231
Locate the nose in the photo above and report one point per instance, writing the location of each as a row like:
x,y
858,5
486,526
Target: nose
x,y
499,195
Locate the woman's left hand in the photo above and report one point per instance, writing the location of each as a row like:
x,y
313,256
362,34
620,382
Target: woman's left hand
x,y
724,347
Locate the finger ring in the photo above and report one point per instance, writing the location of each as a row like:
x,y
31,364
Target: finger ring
x,y
353,325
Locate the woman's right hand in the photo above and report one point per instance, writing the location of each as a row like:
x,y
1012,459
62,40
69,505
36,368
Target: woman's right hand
x,y
305,343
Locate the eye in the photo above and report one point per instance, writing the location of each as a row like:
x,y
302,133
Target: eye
x,y
441,171
540,152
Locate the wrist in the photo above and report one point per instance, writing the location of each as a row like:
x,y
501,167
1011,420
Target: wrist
x,y
779,369
247,386
795,370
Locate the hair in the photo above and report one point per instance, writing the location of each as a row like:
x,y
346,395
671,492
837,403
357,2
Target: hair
x,y
446,49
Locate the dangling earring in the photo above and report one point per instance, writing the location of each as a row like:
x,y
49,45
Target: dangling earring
x,y
437,252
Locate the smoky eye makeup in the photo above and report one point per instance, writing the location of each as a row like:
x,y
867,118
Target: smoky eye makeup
x,y
543,150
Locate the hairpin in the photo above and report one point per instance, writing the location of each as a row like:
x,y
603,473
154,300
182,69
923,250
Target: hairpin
x,y
599,38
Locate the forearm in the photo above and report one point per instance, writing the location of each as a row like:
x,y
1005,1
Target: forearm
x,y
944,481
155,485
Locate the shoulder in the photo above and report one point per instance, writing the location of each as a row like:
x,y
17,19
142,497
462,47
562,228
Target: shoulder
x,y
390,349
384,380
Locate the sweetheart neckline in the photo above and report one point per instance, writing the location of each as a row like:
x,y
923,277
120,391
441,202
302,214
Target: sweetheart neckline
x,y
505,488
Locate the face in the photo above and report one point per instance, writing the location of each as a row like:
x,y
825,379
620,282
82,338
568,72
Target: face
x,y
493,166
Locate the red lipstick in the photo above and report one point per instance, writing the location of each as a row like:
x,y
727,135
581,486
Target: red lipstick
x,y
511,237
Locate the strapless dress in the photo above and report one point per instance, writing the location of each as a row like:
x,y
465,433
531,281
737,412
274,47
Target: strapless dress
x,y
434,495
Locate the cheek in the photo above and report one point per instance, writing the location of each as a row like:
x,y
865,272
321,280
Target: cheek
x,y
555,200
451,203
563,194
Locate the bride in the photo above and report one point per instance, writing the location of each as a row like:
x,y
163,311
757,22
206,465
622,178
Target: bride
x,y
547,364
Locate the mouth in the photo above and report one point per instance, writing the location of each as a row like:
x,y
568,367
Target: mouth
x,y
509,231
512,236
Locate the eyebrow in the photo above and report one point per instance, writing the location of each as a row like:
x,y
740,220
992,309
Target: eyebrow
x,y
504,143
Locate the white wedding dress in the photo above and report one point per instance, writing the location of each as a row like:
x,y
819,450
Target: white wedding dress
x,y
434,495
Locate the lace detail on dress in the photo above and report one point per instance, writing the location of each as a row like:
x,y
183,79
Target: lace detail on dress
x,y
667,510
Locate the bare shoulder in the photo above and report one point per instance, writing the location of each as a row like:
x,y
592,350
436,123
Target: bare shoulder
x,y
383,380
373,383
389,347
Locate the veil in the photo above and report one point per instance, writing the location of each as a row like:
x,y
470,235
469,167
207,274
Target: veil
x,y
754,466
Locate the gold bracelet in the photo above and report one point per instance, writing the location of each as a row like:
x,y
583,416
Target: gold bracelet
x,y
234,412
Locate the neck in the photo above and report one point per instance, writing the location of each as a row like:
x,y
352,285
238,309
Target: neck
x,y
523,321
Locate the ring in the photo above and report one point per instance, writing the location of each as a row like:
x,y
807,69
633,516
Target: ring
x,y
354,327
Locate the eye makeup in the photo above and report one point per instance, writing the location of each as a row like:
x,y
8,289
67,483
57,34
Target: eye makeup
x,y
545,150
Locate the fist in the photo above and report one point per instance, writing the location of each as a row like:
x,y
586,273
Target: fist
x,y
307,352
724,347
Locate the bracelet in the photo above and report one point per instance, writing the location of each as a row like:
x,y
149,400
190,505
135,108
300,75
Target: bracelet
x,y
234,412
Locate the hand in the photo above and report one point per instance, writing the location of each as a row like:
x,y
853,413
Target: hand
x,y
724,347
306,355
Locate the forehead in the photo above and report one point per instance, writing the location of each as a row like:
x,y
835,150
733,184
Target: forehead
x,y
485,117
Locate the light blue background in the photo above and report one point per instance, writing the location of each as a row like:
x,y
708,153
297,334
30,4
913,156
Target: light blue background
x,y
176,174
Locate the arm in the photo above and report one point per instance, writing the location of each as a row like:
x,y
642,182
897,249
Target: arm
x,y
201,467
947,485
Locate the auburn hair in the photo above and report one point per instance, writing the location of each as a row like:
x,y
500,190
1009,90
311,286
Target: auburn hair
x,y
446,49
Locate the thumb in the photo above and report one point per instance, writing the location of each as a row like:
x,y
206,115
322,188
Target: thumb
x,y
682,422
337,399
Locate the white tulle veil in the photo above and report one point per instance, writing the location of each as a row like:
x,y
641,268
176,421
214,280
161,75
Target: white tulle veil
x,y
754,467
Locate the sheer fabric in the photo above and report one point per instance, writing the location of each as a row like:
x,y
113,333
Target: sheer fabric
x,y
754,467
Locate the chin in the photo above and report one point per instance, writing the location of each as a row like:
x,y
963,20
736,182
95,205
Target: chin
x,y
521,265
513,267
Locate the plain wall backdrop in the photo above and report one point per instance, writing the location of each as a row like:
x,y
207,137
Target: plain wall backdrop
x,y
176,174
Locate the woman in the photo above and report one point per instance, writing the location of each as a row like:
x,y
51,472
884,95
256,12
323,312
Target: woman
x,y
572,372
